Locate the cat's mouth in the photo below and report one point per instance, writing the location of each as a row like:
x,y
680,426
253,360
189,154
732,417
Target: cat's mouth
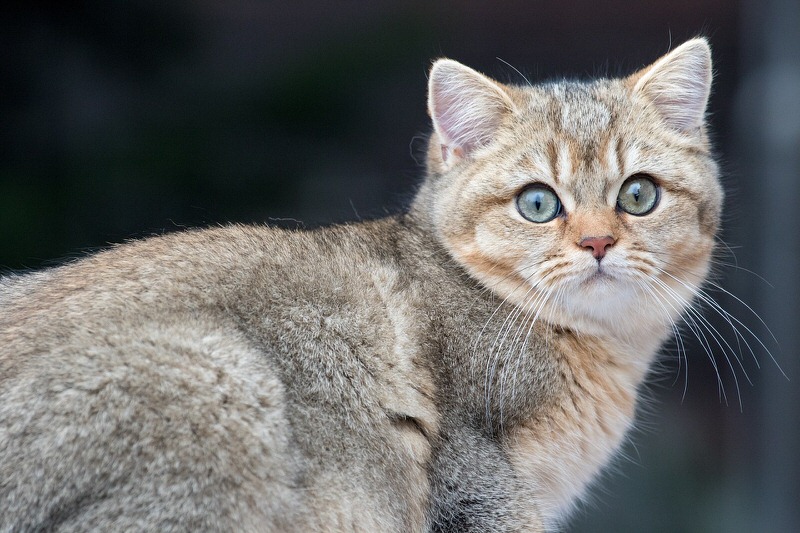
x,y
598,274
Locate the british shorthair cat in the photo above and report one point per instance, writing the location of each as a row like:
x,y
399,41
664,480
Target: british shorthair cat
x,y
470,364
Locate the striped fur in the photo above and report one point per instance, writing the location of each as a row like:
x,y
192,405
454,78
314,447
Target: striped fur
x,y
452,368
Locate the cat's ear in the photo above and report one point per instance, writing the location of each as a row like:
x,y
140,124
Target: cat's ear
x,y
466,108
678,85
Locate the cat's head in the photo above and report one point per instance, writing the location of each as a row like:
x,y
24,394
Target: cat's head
x,y
593,204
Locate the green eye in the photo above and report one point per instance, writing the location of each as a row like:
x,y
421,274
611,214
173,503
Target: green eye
x,y
538,203
638,195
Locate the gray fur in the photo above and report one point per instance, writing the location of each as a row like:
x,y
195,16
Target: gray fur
x,y
381,376
228,380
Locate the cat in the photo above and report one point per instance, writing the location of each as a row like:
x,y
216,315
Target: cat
x,y
469,364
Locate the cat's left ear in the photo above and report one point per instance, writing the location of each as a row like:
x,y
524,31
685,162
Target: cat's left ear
x,y
466,108
678,85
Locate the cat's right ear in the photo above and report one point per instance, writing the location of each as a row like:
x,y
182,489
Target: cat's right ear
x,y
466,108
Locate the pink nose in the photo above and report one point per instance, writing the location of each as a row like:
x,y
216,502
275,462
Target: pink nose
x,y
598,245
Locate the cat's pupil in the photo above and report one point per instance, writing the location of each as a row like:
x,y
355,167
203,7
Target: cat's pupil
x,y
635,191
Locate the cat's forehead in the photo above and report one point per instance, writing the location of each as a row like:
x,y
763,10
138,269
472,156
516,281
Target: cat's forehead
x,y
581,111
578,110
572,129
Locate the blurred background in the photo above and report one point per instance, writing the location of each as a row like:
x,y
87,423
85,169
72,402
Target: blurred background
x,y
125,119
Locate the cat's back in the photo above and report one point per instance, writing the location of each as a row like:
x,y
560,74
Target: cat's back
x,y
125,294
207,274
158,384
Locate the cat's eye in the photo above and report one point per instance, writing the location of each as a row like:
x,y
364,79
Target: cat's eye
x,y
638,195
538,203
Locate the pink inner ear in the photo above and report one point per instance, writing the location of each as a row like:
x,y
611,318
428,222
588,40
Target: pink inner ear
x,y
465,121
466,108
682,106
451,116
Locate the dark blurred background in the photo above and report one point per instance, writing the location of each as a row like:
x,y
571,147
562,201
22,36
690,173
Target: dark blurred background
x,y
124,119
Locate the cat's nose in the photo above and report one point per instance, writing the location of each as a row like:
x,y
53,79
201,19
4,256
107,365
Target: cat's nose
x,y
598,245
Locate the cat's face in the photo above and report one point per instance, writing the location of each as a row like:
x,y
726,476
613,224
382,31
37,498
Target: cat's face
x,y
594,205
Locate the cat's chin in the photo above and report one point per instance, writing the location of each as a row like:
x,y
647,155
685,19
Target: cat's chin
x,y
602,295
603,301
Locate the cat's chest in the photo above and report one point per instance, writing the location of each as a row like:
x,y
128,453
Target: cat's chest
x,y
558,451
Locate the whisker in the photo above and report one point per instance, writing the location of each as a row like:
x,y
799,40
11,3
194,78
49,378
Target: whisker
x,y
693,326
533,306
730,319
535,310
701,323
680,347
494,354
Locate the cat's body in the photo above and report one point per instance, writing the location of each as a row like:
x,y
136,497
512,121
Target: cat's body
x,y
402,374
